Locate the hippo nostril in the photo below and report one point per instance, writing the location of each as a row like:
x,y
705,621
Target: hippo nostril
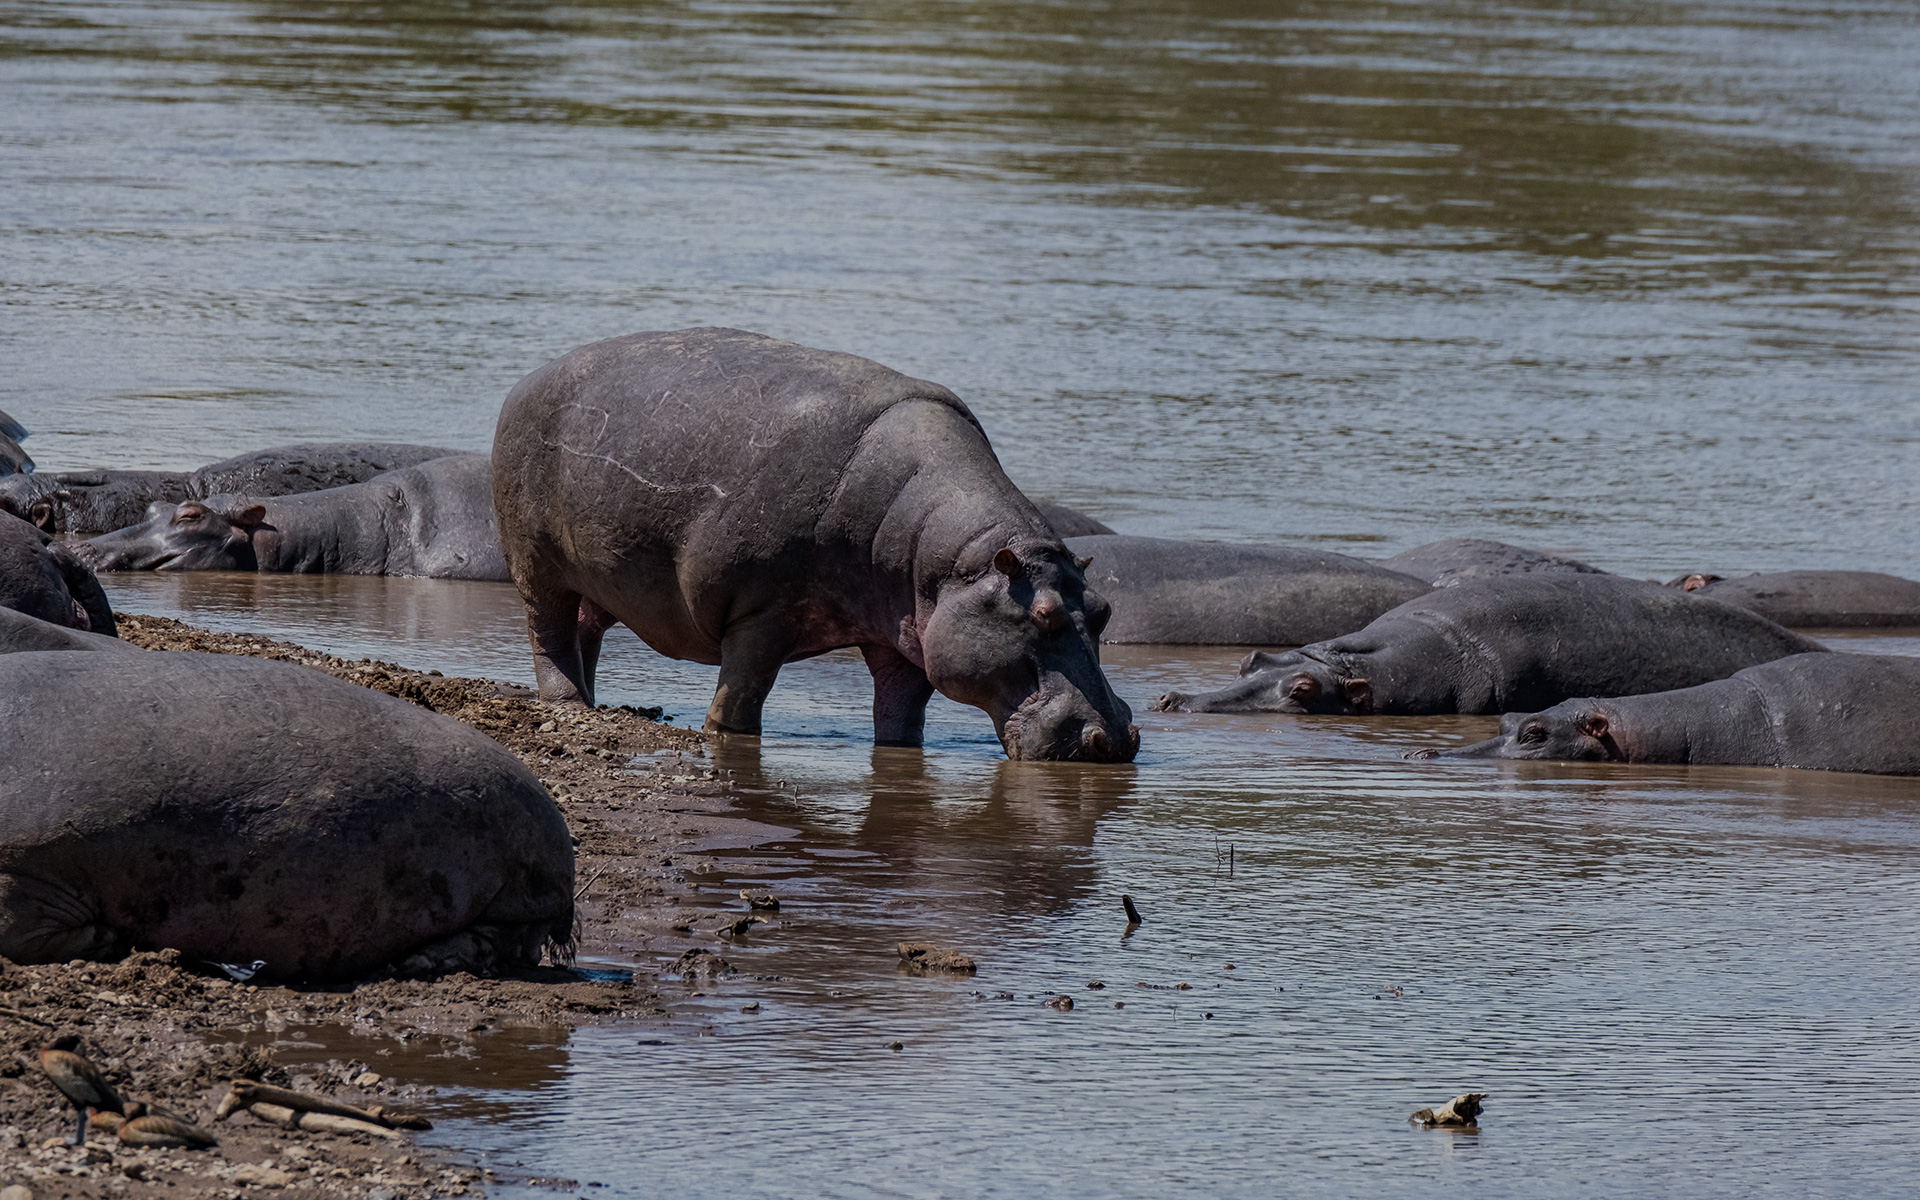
x,y
1094,741
1423,753
1133,737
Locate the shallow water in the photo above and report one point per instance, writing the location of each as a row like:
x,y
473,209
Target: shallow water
x,y
1630,280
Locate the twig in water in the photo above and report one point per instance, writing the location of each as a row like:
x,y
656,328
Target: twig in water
x,y
1133,914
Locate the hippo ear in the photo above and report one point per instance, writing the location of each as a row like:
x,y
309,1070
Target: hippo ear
x,y
1594,726
1360,695
250,516
1083,563
1007,563
1303,688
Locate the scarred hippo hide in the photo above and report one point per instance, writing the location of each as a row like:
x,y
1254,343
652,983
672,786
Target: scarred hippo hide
x,y
45,579
238,809
743,501
1508,643
81,504
1164,590
1825,712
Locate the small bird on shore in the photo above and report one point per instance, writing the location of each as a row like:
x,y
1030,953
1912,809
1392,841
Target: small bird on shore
x,y
1462,1111
79,1081
142,1128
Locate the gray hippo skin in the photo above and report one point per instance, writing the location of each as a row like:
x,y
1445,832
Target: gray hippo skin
x,y
238,809
45,579
20,633
1456,560
1226,595
12,429
1816,599
1822,712
13,460
434,521
81,504
748,502
1508,644
1069,522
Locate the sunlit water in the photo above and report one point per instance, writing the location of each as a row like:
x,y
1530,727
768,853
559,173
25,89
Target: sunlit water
x,y
1633,280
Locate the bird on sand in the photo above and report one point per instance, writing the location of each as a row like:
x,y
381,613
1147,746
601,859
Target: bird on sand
x,y
143,1128
1460,1112
79,1081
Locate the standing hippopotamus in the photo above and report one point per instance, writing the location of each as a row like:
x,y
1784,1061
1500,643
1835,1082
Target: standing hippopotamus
x,y
81,504
434,520
1455,560
20,633
1822,712
238,809
1816,599
1228,595
747,502
1505,644
45,579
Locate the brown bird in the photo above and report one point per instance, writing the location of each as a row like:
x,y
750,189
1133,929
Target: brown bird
x,y
1460,1112
143,1128
79,1081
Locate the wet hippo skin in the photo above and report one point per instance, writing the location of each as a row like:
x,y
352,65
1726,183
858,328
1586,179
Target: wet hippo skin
x,y
1817,599
1165,590
1826,712
236,808
744,501
45,579
20,632
1505,644
1456,560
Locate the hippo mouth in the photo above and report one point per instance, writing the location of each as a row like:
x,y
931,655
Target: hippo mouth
x,y
1082,740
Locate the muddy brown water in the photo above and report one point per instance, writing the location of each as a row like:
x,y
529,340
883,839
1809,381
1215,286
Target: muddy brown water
x,y
1633,280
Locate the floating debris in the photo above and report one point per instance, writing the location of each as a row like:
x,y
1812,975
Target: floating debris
x,y
1061,1003
922,957
1133,914
1461,1112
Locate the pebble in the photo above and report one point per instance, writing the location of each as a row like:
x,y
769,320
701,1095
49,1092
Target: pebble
x,y
896,1047
1061,1003
366,1079
750,1008
261,1176
18,1191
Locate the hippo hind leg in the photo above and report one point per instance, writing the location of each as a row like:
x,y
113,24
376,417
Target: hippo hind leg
x,y
560,663
752,651
900,695
43,922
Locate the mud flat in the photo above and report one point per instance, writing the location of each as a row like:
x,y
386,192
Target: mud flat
x,y
644,806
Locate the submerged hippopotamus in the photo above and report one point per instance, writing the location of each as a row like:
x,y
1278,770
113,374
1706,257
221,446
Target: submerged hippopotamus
x,y
20,633
434,521
1816,599
1822,712
45,579
1455,560
1227,595
747,502
238,809
81,504
1069,522
1505,644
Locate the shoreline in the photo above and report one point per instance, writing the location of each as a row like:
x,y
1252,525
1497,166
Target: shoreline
x,y
644,804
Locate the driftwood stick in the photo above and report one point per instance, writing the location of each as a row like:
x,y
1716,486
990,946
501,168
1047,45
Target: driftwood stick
x,y
249,1093
316,1122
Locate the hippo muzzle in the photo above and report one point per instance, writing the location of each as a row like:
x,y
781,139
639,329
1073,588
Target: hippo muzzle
x,y
1060,723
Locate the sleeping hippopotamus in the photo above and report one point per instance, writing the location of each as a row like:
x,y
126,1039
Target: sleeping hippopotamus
x,y
1506,644
1455,560
45,579
1816,599
1069,522
743,501
1226,595
81,504
238,809
1822,712
434,521
20,632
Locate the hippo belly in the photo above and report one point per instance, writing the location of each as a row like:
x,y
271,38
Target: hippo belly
x,y
1214,593
236,808
1823,599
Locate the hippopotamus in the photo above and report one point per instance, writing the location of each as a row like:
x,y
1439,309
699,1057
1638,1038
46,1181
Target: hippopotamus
x,y
45,579
80,504
1821,712
1816,599
1164,590
236,809
434,520
1069,522
13,460
1454,560
20,632
1505,644
10,428
747,502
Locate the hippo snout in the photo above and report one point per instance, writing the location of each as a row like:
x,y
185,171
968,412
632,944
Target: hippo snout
x,y
1066,727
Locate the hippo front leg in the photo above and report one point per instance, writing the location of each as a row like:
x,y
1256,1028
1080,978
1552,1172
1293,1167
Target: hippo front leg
x,y
751,655
900,695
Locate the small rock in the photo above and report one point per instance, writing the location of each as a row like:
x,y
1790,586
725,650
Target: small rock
x,y
381,1194
1119,1003
366,1079
1182,987
1462,1111
1062,1003
18,1191
763,901
547,727
752,1007
896,1047
921,957
1096,984
259,1175
134,1170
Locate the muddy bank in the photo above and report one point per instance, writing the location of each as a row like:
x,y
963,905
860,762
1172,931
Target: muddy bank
x,y
643,804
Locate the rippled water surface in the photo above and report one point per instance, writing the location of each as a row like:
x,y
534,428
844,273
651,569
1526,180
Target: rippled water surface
x,y
1628,279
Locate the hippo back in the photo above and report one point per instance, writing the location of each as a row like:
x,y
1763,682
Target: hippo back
x,y
236,808
1455,560
1164,590
13,460
1823,599
311,467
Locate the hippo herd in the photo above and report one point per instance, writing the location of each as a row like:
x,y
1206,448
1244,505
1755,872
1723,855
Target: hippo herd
x,y
747,502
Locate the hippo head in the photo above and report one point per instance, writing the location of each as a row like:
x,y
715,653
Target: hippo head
x,y
36,500
1693,582
1020,640
1576,731
1292,681
215,534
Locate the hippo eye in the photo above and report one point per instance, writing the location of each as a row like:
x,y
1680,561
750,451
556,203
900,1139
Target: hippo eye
x,y
1533,734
